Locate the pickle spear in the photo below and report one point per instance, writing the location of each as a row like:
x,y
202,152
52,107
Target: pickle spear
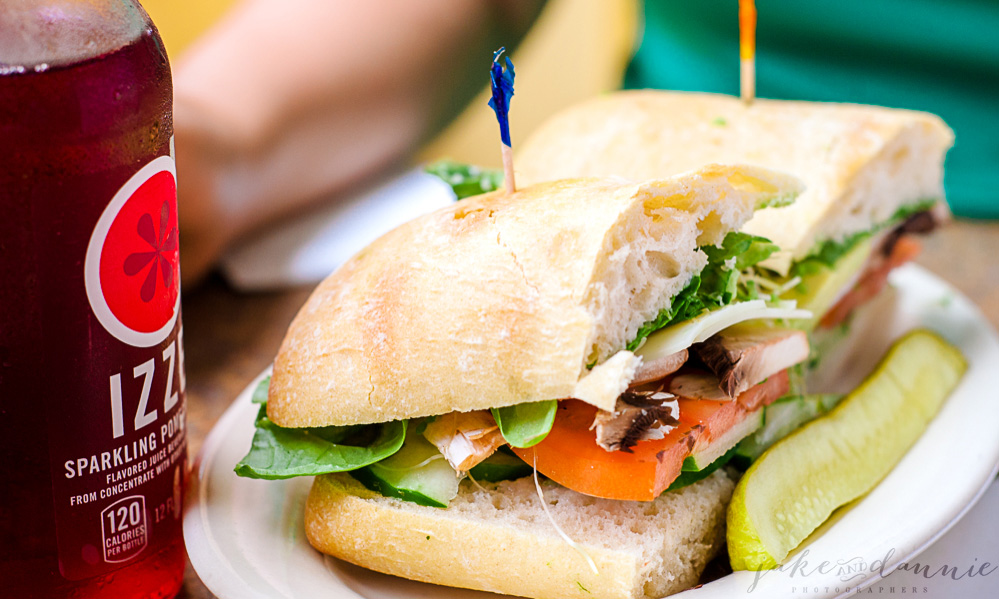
x,y
796,484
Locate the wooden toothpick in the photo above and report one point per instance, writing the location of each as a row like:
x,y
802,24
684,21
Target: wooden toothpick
x,y
501,80
747,50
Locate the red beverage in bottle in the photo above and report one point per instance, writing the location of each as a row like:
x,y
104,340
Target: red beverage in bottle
x,y
92,429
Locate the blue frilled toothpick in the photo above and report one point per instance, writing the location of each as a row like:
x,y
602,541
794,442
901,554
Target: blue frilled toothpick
x,y
502,88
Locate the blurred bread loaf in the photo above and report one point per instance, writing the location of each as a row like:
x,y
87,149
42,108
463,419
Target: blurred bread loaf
x,y
860,164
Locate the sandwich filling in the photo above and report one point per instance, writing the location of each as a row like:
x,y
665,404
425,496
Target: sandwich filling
x,y
708,364
838,278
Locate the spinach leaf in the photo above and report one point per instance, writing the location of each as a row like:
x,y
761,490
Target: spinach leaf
x,y
466,179
279,452
260,393
526,424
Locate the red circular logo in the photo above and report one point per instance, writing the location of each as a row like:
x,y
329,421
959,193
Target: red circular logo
x,y
132,268
139,262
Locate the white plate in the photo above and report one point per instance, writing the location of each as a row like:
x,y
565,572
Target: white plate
x,y
246,539
303,249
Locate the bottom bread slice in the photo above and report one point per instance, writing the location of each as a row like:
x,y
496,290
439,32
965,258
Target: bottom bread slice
x,y
497,537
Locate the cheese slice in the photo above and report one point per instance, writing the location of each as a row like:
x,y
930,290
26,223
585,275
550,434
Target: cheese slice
x,y
681,336
601,386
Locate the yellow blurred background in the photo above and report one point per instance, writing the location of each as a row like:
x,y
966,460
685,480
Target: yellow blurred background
x,y
587,42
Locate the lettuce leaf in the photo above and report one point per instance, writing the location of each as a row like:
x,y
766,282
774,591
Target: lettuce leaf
x,y
717,285
279,452
466,180
526,424
746,249
827,253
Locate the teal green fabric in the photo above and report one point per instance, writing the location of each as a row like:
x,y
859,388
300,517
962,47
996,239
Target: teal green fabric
x,y
941,56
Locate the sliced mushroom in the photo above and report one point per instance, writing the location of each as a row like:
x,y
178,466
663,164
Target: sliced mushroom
x,y
746,354
698,385
659,368
465,438
919,223
638,415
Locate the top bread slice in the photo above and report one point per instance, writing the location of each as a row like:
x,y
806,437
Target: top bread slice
x,y
505,299
860,164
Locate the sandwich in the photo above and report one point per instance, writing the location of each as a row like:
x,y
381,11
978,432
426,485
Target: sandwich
x,y
873,177
533,393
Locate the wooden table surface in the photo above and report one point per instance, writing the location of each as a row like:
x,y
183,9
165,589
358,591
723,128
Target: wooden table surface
x,y
230,337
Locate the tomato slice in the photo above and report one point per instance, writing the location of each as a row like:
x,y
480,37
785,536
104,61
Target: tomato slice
x,y
871,282
717,417
570,456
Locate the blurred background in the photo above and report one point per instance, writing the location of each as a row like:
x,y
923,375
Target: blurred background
x,y
253,160
588,44
326,107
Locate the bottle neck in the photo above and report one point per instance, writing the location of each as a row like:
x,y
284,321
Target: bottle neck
x,y
40,34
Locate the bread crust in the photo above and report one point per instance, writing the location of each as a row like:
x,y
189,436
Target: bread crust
x,y
859,163
497,539
504,299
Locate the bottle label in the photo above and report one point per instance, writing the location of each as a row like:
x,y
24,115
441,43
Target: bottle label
x,y
119,447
